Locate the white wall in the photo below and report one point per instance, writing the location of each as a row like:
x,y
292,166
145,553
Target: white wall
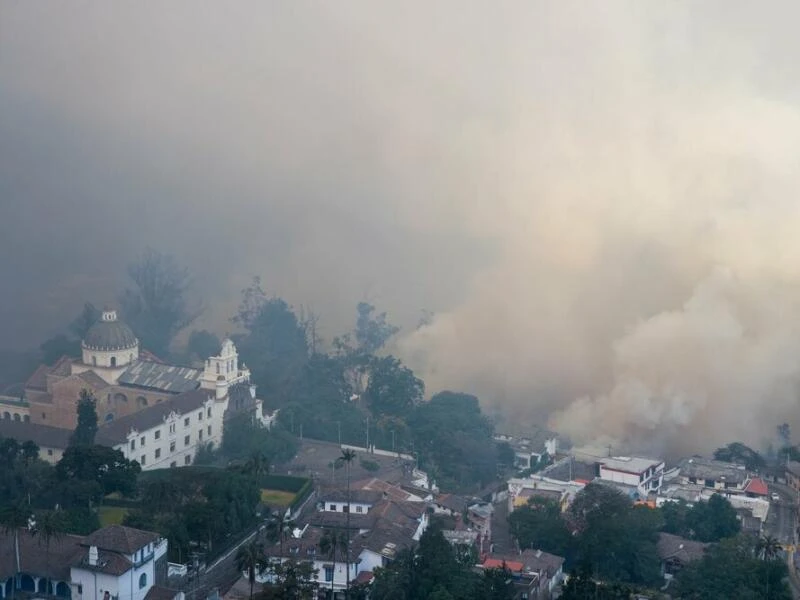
x,y
175,430
354,507
126,586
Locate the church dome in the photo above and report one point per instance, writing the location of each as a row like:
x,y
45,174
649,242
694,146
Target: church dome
x,y
110,334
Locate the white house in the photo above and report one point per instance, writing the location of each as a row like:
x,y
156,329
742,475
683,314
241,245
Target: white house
x,y
113,563
168,434
118,563
644,474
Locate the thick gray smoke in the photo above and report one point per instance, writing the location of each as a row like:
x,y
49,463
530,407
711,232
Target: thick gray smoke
x,y
597,200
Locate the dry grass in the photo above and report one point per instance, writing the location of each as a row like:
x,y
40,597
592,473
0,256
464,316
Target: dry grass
x,y
276,498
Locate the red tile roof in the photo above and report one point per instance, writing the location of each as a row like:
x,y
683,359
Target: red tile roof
x,y
757,486
496,563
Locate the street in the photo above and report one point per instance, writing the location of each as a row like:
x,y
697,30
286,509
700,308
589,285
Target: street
x,y
782,518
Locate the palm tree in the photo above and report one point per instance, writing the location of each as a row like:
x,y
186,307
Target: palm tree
x,y
767,547
251,558
51,526
329,543
347,457
13,519
257,465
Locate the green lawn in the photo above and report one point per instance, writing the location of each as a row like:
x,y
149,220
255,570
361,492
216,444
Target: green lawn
x,y
276,497
111,515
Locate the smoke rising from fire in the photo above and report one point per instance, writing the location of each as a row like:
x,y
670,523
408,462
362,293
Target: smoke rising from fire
x,y
597,202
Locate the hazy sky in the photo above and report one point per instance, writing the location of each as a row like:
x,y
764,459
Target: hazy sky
x,y
598,200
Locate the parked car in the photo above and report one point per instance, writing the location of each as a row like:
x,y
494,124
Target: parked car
x,y
776,497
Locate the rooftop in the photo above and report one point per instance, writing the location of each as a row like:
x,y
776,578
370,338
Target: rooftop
x,y
157,376
630,464
118,538
716,470
757,487
116,432
675,547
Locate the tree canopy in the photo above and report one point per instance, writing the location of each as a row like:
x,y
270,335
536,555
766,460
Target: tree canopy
x,y
86,430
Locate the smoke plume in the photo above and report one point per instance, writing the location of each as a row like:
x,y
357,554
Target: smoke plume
x,y
596,201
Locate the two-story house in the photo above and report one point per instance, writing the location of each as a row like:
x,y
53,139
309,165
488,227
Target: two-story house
x,y
645,475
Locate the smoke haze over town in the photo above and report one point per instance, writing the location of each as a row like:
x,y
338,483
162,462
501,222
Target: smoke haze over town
x,y
597,202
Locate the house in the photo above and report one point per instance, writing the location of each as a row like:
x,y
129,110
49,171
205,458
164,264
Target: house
x,y
644,474
569,469
531,446
713,474
170,433
676,552
565,489
535,573
528,494
449,504
793,475
755,487
360,501
112,563
388,490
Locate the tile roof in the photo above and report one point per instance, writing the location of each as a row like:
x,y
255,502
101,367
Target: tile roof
x,y
36,557
356,496
390,491
147,418
499,563
703,468
38,380
94,380
160,593
457,504
118,538
110,563
156,376
43,436
756,486
675,547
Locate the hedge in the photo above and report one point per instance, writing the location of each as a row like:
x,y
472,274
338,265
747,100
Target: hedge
x,y
284,483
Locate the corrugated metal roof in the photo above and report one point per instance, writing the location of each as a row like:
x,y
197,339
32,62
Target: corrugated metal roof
x,y
157,376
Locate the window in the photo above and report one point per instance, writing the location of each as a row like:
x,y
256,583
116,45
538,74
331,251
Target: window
x,y
26,418
113,361
158,453
133,444
94,361
44,416
209,430
157,434
109,417
16,417
200,435
49,452
172,446
328,572
7,415
187,440
346,508
209,413
187,460
141,441
172,428
142,580
173,464
332,507
186,422
200,416
143,461
359,508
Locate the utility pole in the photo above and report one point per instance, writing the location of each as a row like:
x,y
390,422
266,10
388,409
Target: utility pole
x,y
392,441
367,433
339,429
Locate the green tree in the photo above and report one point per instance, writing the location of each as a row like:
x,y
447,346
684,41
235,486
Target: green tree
x,y
202,344
393,388
347,457
713,520
731,569
50,526
295,581
768,548
739,453
252,560
86,430
540,526
157,307
96,471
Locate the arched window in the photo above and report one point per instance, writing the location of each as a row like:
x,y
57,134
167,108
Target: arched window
x,y
7,415
141,401
109,417
120,398
142,580
16,417
113,361
94,361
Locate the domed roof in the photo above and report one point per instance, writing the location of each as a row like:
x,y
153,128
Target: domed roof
x,y
110,334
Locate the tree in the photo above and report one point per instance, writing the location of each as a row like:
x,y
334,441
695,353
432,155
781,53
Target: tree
x,y
539,526
348,456
393,388
157,307
14,518
50,526
731,569
768,548
57,346
330,543
737,452
202,344
713,520
86,430
88,473
257,465
251,559
295,581
372,329
83,322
